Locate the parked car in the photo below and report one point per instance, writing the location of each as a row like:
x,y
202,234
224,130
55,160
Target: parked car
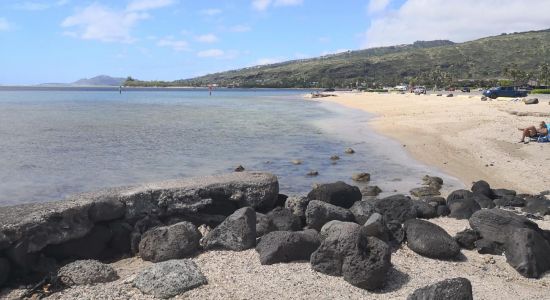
x,y
465,90
504,91
419,90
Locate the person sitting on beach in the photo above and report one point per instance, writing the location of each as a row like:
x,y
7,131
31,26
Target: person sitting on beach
x,y
533,132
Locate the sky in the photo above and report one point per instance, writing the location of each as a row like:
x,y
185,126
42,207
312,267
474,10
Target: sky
x,y
66,40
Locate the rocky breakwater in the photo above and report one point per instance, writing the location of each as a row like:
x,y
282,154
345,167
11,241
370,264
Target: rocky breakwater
x,y
35,238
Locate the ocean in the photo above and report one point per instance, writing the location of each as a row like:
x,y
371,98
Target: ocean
x,y
55,142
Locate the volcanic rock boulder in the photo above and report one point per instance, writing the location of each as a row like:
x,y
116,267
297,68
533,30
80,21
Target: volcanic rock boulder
x,y
376,227
318,213
430,240
4,270
425,191
337,193
336,227
538,205
283,219
90,246
462,205
448,289
298,206
424,210
169,278
395,208
263,225
496,225
362,210
287,246
467,238
169,242
237,232
483,188
528,252
483,201
499,193
363,261
83,272
508,200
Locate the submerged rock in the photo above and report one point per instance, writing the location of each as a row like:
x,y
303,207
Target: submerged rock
x,y
361,177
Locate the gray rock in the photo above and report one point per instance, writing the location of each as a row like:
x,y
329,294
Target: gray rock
x,y
363,261
83,272
298,206
430,240
336,227
283,219
499,193
483,201
120,242
43,224
371,191
338,193
398,207
448,289
527,252
90,246
361,177
432,181
4,271
424,191
237,232
424,210
362,210
375,227
466,239
510,201
287,246
263,225
318,213
449,95
169,242
496,225
442,210
483,188
170,278
434,199
537,205
396,232
531,101
349,151
462,205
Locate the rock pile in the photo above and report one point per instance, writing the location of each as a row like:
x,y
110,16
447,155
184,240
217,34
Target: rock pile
x,y
334,228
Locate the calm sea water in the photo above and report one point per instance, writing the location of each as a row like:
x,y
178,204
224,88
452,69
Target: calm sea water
x,y
57,142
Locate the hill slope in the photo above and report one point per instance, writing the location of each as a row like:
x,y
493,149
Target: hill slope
x,y
101,80
482,59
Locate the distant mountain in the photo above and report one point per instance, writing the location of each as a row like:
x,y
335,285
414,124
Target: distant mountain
x,y
425,62
101,80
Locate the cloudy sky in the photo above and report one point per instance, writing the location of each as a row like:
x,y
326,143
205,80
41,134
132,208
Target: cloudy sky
x,y
65,40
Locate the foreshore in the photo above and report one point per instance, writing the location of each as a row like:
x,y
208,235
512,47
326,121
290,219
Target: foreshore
x,y
462,135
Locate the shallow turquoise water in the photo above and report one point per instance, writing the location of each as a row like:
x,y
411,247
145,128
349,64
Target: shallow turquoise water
x,y
54,143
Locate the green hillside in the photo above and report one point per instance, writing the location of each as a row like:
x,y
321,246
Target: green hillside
x,y
518,56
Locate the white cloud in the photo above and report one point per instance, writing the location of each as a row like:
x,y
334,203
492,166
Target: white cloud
x,y
98,22
211,53
176,45
377,5
211,12
324,39
262,5
239,28
207,38
455,20
270,60
143,5
5,25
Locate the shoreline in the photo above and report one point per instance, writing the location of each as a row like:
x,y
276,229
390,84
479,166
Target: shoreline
x,y
463,136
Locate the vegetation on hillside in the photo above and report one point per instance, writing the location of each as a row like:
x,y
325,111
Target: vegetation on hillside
x,y
516,58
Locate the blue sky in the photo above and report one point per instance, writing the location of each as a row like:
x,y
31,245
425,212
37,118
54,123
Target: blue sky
x,y
65,40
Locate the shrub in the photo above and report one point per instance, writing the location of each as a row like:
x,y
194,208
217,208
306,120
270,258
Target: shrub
x,y
540,91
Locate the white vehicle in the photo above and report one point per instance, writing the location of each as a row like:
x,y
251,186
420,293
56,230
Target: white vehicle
x,y
401,88
419,90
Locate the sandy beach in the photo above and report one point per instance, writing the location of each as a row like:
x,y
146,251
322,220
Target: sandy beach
x,y
468,138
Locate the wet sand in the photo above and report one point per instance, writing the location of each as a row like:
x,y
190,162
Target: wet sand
x,y
468,138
